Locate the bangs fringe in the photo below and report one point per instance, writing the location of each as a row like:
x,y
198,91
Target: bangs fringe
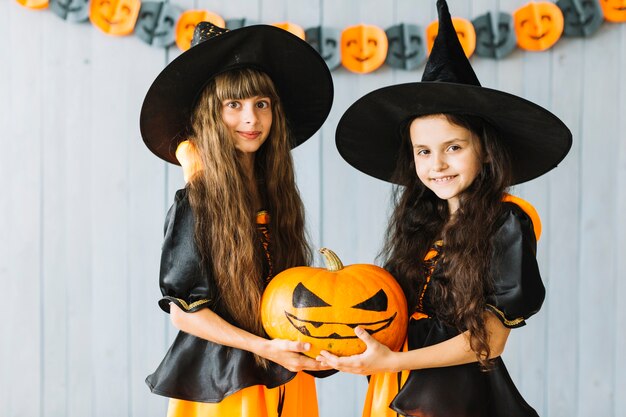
x,y
244,83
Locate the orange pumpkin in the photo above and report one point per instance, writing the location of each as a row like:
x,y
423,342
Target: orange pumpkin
x,y
34,4
187,24
363,48
323,306
464,30
614,10
291,28
114,17
538,25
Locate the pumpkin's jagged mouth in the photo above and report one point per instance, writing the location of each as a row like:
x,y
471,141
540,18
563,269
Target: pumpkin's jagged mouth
x,y
316,330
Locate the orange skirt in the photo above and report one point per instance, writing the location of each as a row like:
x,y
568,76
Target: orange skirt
x,y
381,390
297,398
384,387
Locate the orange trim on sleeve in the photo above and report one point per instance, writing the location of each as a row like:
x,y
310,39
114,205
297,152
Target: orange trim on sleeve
x,y
529,210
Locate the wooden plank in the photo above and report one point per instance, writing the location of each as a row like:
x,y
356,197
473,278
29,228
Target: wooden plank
x,y
6,170
23,188
54,235
79,146
307,157
111,120
561,229
356,202
510,78
145,211
354,212
600,133
620,247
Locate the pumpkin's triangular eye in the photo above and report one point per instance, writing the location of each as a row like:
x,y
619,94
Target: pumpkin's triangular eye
x,y
377,302
304,298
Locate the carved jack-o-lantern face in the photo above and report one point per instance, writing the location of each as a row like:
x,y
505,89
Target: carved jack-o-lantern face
x,y
34,4
614,10
325,41
538,25
114,17
407,49
71,10
494,38
291,28
582,17
187,24
464,31
322,307
363,48
155,25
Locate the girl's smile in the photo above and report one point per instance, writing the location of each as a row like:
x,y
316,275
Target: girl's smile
x,y
447,157
249,121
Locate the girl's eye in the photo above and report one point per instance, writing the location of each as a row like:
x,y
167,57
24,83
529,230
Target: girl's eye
x,y
454,148
232,104
263,104
421,152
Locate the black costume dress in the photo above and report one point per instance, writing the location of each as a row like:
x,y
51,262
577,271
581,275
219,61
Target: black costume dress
x,y
466,390
195,369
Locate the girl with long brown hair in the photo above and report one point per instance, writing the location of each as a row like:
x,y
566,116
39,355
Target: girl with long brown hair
x,y
239,221
460,246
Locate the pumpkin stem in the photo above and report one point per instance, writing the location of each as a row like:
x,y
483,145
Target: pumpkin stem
x,y
333,263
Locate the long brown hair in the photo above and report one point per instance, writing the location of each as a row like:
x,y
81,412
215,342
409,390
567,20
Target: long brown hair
x,y
225,230
420,218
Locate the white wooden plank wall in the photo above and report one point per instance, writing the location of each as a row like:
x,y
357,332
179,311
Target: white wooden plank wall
x,y
83,204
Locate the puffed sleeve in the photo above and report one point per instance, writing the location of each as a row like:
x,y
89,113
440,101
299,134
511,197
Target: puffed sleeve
x,y
518,289
183,279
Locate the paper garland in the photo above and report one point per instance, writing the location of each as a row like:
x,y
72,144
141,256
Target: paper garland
x,y
536,26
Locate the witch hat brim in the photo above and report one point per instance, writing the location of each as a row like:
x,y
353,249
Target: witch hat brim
x,y
370,133
299,73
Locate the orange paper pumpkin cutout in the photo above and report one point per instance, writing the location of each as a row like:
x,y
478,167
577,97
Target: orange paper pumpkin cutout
x,y
464,30
323,306
614,10
363,48
187,24
34,4
291,28
538,25
114,17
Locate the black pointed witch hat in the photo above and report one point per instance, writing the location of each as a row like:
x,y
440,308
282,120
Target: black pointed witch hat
x,y
303,81
369,133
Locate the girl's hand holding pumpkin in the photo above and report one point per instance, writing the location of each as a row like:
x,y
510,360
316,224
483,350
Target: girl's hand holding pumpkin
x,y
376,358
289,354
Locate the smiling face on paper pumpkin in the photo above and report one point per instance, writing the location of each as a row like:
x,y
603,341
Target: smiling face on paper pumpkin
x,y
71,10
155,25
34,4
494,38
325,41
187,24
582,17
464,31
407,49
538,25
614,10
363,48
114,17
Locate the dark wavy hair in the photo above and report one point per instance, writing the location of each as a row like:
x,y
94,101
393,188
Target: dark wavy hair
x,y
420,218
